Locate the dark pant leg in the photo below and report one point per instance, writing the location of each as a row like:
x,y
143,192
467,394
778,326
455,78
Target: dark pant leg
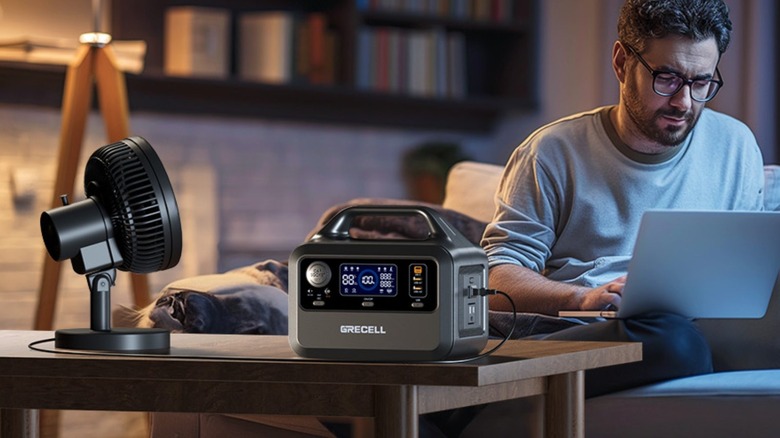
x,y
672,347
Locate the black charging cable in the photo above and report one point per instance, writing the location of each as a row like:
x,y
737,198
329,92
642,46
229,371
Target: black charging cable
x,y
474,291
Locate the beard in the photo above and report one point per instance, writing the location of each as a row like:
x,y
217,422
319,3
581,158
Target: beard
x,y
646,121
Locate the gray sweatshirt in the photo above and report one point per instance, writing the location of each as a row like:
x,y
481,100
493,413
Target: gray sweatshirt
x,y
572,195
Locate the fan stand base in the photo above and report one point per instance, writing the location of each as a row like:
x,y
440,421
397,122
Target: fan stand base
x,y
150,340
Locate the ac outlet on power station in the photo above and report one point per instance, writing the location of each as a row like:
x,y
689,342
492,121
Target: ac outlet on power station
x,y
471,277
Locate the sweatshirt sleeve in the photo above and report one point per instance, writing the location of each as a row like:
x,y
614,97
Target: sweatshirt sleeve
x,y
523,229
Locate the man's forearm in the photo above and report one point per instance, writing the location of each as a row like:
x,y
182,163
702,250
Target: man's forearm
x,y
531,291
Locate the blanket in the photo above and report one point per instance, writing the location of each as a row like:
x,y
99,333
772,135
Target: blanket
x,y
249,300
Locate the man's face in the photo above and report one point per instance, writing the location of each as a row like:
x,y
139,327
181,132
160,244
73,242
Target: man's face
x,y
666,121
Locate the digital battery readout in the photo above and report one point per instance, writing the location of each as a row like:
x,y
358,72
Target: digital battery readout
x,y
368,279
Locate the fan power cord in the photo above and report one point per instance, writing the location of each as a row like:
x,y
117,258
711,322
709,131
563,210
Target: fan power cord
x,y
473,292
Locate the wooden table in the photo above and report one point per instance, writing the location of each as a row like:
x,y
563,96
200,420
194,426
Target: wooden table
x,y
260,374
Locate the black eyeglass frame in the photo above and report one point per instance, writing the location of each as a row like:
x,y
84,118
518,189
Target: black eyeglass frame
x,y
684,81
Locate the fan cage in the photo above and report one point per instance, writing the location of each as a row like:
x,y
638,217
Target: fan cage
x,y
133,206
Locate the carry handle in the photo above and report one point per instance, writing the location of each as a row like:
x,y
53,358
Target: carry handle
x,y
337,228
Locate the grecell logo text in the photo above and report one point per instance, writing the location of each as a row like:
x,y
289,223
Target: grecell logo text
x,y
363,329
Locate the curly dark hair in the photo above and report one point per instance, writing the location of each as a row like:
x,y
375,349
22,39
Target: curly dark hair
x,y
641,20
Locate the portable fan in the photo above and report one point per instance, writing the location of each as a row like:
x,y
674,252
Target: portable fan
x,y
128,221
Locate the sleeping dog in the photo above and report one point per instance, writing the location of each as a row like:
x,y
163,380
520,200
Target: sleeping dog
x,y
250,300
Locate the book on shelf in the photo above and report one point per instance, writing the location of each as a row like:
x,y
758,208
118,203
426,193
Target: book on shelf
x,y
316,70
129,54
266,47
420,65
281,47
364,62
456,58
316,55
383,67
197,42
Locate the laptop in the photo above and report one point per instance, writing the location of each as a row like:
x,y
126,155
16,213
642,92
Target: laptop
x,y
701,264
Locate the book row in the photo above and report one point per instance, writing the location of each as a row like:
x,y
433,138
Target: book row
x,y
425,63
271,46
282,47
477,10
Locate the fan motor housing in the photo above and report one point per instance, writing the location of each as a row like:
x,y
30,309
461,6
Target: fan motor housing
x,y
81,232
129,220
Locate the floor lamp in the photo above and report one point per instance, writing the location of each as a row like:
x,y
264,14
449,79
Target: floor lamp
x,y
95,64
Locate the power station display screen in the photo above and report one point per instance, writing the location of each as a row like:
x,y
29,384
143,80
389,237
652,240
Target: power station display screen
x,y
368,279
380,284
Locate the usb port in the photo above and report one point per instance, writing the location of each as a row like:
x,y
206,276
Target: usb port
x,y
471,315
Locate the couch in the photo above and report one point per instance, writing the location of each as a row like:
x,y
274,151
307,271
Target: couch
x,y
739,399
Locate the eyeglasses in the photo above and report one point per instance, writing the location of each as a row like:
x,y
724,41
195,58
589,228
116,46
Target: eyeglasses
x,y
667,84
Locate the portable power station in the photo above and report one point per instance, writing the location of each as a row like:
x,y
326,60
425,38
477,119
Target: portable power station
x,y
387,299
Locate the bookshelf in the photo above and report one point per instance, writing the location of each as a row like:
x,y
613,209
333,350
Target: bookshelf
x,y
429,64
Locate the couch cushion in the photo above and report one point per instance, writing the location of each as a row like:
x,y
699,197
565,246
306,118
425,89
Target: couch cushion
x,y
471,189
731,404
738,403
749,383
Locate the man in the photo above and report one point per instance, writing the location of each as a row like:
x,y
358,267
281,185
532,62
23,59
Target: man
x,y
572,194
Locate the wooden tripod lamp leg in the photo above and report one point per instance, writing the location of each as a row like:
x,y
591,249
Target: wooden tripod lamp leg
x,y
75,107
76,102
112,94
91,63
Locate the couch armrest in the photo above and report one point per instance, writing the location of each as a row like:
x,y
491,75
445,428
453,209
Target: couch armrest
x,y
743,344
471,189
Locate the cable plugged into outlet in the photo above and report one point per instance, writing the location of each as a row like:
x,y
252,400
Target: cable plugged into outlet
x,y
475,291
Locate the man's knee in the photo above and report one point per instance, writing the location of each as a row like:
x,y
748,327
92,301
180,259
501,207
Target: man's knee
x,y
672,340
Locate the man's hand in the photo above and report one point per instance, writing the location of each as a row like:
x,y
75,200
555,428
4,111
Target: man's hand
x,y
604,295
